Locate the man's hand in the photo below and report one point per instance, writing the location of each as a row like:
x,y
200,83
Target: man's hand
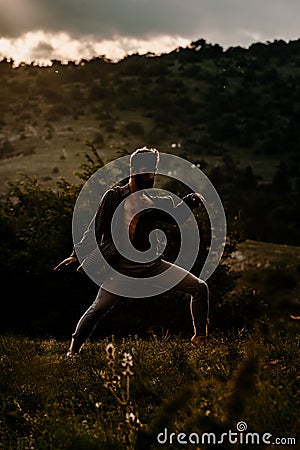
x,y
66,262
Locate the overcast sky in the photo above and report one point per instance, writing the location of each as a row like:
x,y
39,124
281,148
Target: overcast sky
x,y
41,30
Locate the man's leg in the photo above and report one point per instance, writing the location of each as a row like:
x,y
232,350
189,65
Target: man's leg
x,y
199,293
103,303
199,306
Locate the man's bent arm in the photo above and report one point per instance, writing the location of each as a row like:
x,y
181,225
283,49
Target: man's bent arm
x,y
169,212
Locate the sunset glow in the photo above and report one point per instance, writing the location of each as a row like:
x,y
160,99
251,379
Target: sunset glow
x,y
40,47
71,30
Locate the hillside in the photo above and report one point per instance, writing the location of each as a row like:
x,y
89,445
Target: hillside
x,y
270,268
235,113
242,104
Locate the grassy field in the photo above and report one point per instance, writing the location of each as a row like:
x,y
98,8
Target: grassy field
x,y
61,156
52,158
105,400
121,394
268,267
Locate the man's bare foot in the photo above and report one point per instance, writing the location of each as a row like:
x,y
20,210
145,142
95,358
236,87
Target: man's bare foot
x,y
74,348
199,341
71,354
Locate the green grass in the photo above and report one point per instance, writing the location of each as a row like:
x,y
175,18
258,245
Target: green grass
x,y
49,401
272,269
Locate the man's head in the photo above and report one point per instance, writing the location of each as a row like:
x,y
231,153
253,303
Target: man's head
x,y
143,166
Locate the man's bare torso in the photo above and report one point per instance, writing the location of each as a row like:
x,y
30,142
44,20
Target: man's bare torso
x,y
132,205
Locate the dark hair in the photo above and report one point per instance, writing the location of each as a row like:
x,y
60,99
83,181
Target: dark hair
x,y
145,157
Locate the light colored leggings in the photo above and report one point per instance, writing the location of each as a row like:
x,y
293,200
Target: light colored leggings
x,y
105,300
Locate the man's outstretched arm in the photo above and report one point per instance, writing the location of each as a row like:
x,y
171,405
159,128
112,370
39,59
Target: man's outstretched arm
x,y
66,262
96,227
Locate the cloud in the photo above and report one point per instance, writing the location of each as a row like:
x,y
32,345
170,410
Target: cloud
x,y
223,20
41,47
113,27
